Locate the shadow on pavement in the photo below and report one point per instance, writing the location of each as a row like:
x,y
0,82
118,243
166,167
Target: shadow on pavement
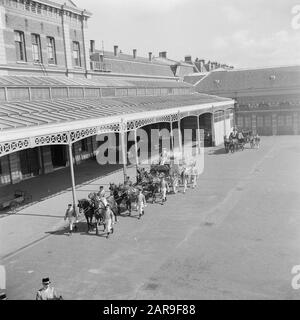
x,y
39,215
49,185
217,152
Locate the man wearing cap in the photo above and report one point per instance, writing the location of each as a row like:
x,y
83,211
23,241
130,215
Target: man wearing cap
x,y
109,221
164,188
71,216
101,195
141,203
47,292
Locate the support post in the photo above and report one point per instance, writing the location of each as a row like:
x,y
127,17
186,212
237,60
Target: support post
x,y
124,152
72,176
171,135
198,134
213,129
136,154
179,136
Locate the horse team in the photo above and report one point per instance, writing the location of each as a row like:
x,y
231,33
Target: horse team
x,y
99,209
237,140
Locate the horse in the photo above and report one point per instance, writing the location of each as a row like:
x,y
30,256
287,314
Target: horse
x,y
99,210
233,144
86,206
118,194
131,197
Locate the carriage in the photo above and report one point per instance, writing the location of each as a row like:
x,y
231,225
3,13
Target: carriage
x,y
232,144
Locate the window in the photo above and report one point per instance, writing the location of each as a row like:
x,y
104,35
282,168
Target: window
x,y
289,121
36,48
76,54
260,121
240,121
268,121
247,122
218,116
281,120
20,46
51,50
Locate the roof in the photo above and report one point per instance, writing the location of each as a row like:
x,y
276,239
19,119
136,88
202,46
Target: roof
x,y
61,81
194,78
126,64
20,115
228,81
159,83
40,81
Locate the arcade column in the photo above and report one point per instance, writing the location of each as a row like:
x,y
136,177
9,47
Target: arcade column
x,y
213,139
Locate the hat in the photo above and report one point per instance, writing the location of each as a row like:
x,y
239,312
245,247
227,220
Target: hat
x,y
45,280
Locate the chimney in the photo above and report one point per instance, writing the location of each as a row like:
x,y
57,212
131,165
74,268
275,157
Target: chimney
x,y
134,53
115,50
188,59
163,54
200,65
150,56
92,45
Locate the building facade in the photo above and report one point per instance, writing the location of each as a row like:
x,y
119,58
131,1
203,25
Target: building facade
x,y
267,99
43,37
58,92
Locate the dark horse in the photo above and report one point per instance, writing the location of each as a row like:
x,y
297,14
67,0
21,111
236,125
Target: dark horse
x,y
119,194
92,209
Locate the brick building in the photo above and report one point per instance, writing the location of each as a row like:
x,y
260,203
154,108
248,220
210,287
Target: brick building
x,y
267,99
43,37
58,92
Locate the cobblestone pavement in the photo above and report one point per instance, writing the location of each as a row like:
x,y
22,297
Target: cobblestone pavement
x,y
236,236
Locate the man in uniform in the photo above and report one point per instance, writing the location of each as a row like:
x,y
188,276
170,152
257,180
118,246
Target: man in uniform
x,y
47,292
101,195
71,216
128,181
164,188
141,203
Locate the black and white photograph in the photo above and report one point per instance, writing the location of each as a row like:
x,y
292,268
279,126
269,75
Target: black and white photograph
x,y
149,152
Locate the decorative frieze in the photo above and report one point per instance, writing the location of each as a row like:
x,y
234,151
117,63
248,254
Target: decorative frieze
x,y
80,134
13,146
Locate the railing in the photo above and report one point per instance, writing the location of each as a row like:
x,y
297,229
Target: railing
x,y
101,66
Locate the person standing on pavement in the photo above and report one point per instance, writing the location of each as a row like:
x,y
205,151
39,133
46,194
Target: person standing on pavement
x,y
141,203
109,221
128,182
47,292
101,195
164,188
184,178
71,216
194,176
